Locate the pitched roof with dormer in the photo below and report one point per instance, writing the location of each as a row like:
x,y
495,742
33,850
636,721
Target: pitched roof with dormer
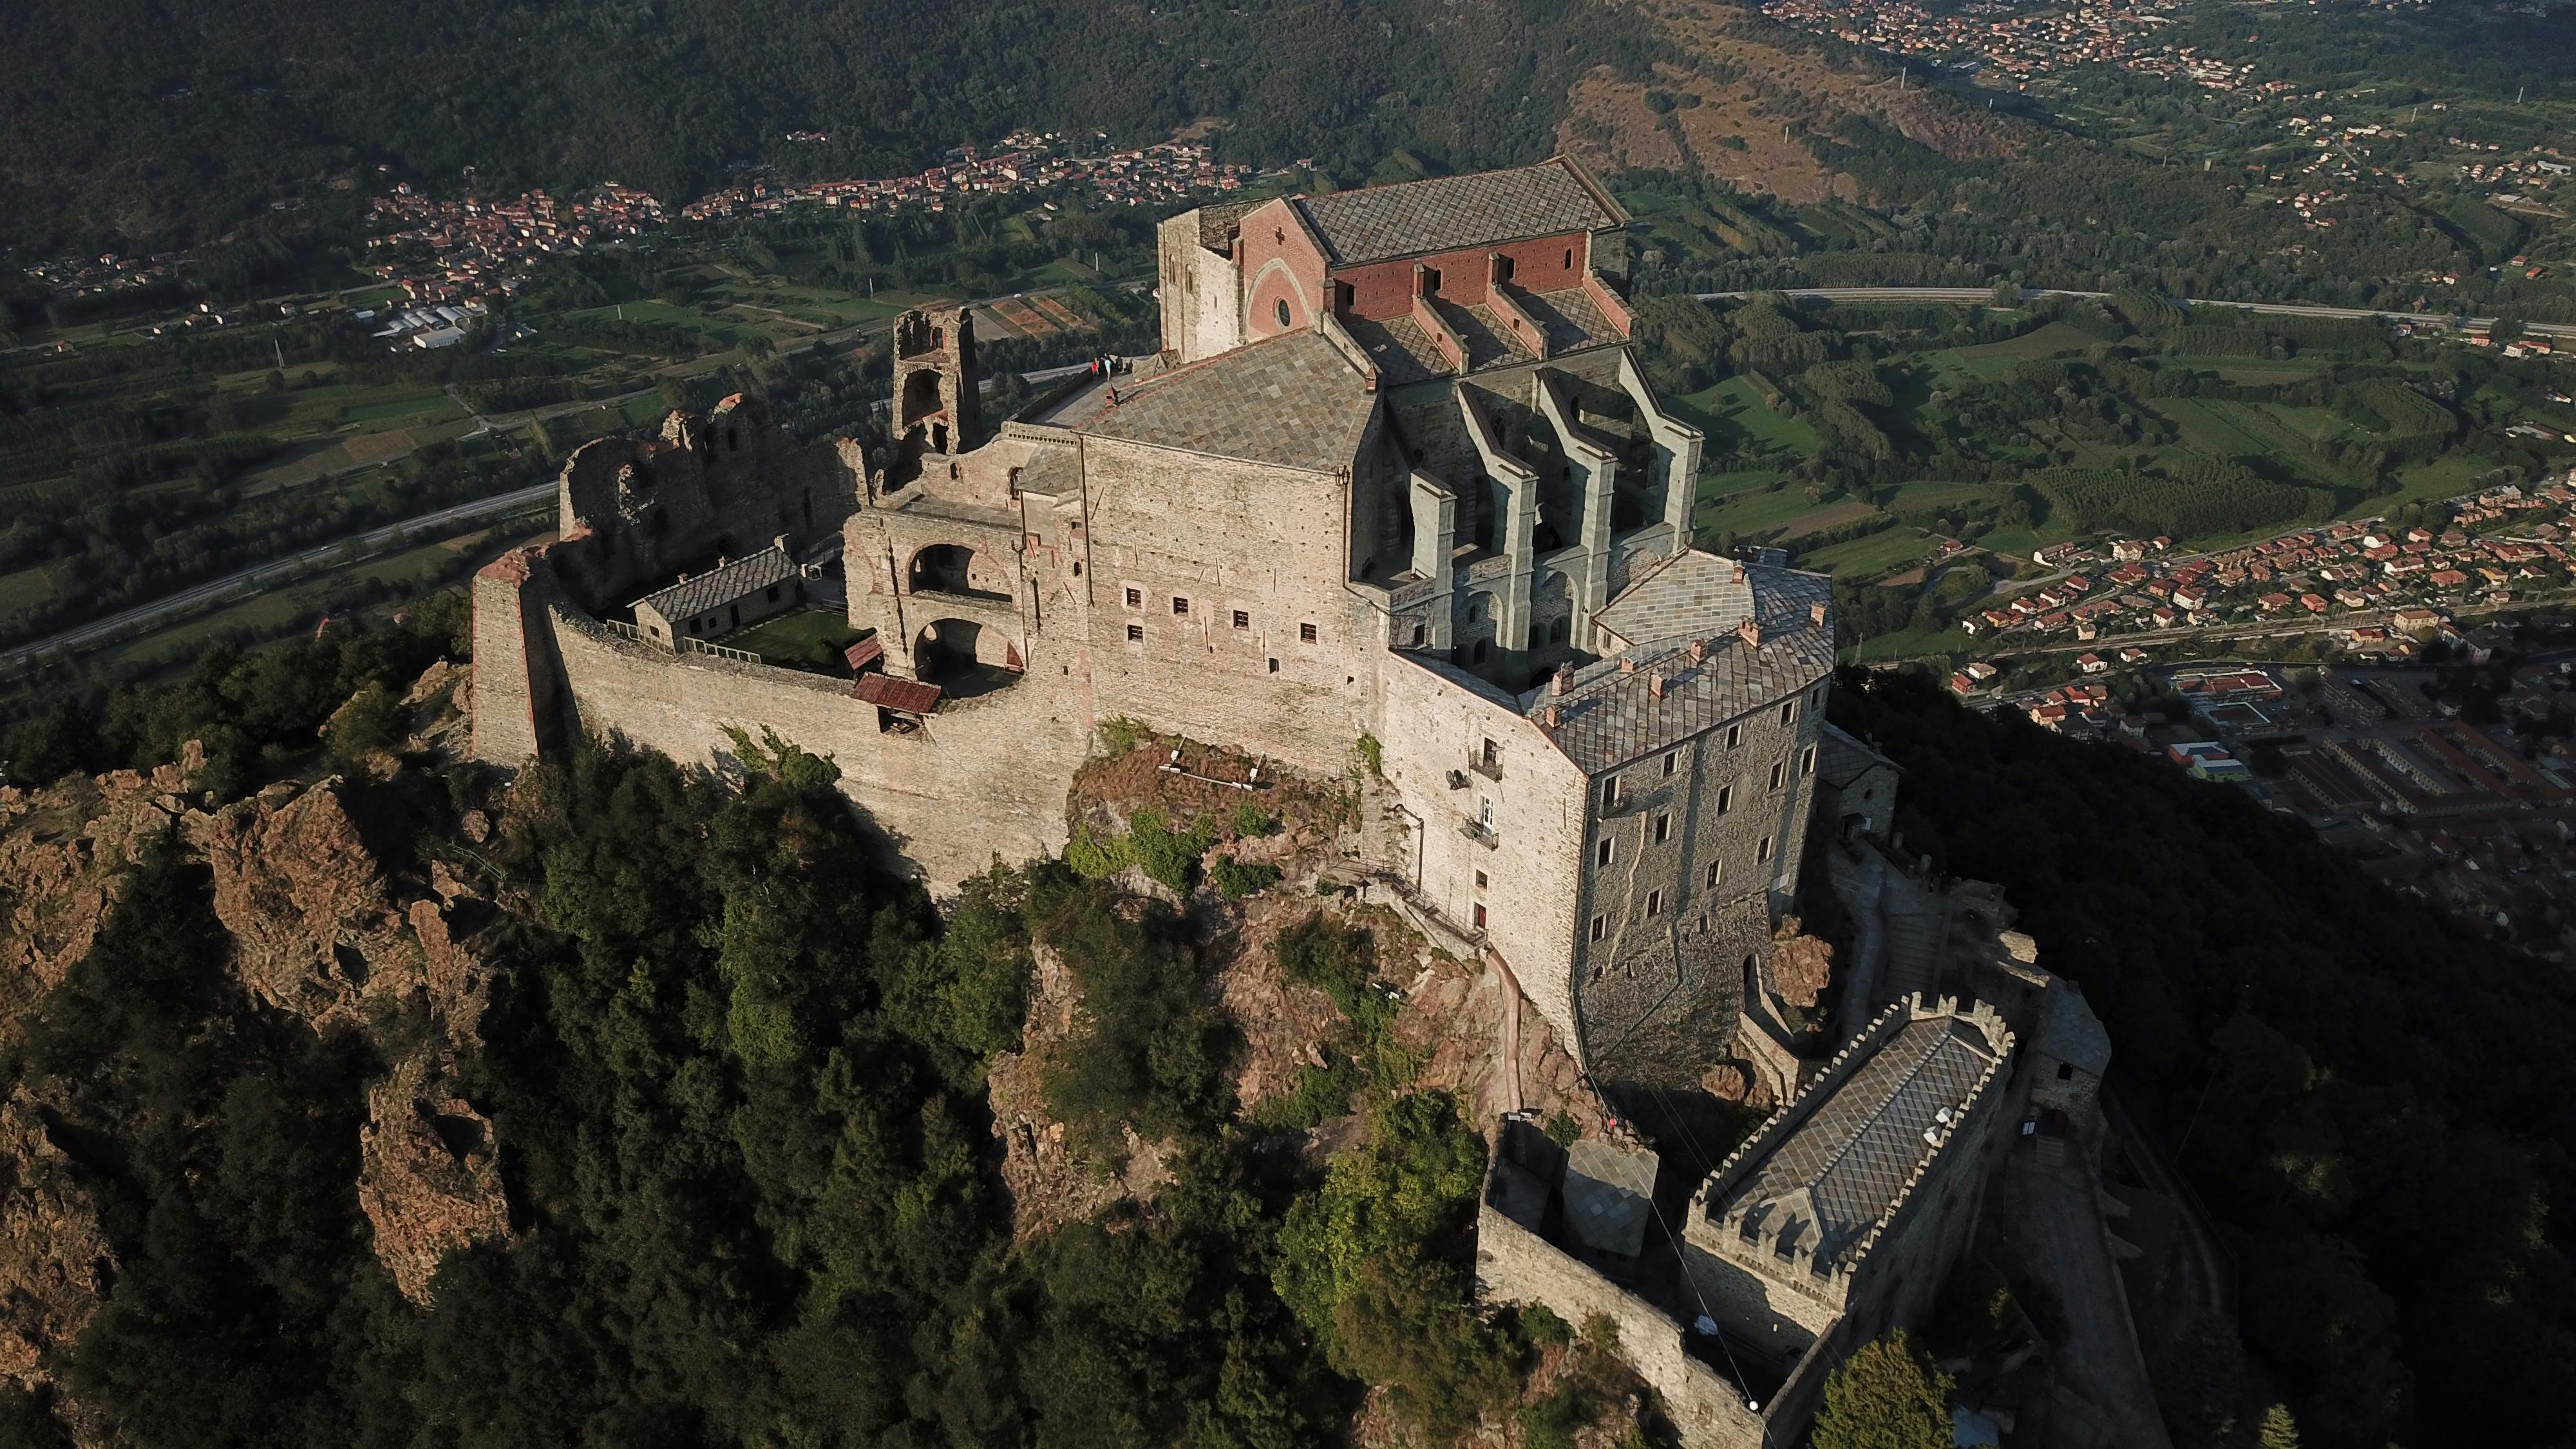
x,y
1611,711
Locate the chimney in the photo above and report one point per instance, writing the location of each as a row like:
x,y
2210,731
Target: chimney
x,y
1550,717
779,543
1655,685
1750,632
1698,650
1816,611
1627,664
1562,680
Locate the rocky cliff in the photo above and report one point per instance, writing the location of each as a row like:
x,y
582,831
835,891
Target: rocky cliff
x,y
335,918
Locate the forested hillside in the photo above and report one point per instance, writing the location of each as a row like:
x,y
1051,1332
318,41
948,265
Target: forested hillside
x,y
153,121
2377,1100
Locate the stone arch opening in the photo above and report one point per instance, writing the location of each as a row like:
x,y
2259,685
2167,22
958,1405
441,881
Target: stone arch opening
x,y
944,651
964,658
920,396
942,568
948,568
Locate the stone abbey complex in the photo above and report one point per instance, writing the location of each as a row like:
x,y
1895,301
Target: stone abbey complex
x,y
1396,474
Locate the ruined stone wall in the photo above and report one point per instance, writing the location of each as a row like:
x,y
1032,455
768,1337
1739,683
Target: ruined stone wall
x,y
1704,850
633,513
505,714
1515,1265
1433,720
1227,539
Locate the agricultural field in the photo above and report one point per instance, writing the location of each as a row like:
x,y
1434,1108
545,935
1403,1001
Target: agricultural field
x,y
1994,361
1871,555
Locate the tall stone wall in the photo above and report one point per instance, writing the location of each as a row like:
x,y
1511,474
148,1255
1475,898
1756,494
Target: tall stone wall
x,y
1224,537
1202,305
506,720
1434,719
1678,951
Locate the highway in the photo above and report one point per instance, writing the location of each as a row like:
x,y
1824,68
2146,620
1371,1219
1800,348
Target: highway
x,y
1974,295
479,510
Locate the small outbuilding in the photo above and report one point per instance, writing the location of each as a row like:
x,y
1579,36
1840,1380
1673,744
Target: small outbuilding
x,y
723,599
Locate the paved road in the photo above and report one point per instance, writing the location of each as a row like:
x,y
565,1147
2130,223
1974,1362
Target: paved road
x,y
479,510
2033,294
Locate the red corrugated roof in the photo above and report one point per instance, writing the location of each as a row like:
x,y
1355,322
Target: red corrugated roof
x,y
906,695
864,653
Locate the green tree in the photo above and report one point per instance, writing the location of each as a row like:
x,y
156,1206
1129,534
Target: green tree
x,y
2278,1430
1885,1396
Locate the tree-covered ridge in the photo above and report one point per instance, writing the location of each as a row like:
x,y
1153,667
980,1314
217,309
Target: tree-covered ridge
x,y
736,1075
2378,1100
144,121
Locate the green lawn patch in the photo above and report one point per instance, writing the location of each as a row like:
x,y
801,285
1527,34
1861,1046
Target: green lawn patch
x,y
809,639
1751,511
1996,360
407,405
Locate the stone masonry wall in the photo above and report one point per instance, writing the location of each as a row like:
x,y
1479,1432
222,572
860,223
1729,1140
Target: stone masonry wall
x,y
1515,1265
1703,855
1227,537
983,777
1434,719
1200,292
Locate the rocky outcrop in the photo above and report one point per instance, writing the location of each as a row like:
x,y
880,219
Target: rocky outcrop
x,y
1801,965
315,927
52,1255
321,929
1047,1182
429,1178
63,852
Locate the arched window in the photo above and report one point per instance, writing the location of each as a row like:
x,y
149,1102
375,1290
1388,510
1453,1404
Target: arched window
x,y
1282,311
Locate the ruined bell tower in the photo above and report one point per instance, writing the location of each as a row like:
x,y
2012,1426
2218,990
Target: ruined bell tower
x,y
935,411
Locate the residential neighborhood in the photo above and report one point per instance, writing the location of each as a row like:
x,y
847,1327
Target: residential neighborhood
x,y
1024,161
2504,542
2445,769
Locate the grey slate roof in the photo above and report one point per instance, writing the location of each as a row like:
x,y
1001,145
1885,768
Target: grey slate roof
x,y
1840,759
1607,718
2071,1032
1848,1162
721,586
1452,213
1292,400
